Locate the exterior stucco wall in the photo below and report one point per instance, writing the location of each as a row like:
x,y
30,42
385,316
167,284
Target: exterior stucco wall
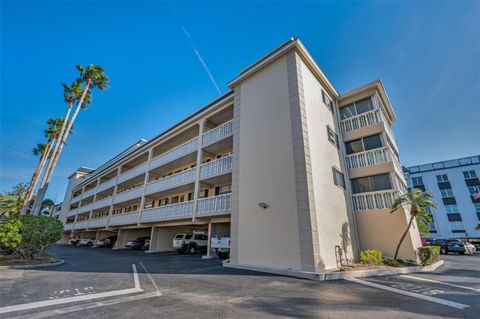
x,y
330,206
266,237
162,237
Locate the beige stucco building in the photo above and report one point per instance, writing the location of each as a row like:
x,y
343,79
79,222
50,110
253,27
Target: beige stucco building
x,y
292,170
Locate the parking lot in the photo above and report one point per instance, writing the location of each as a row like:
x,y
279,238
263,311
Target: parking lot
x,y
105,283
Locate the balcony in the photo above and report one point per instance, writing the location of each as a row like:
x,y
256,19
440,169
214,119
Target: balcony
x,y
140,169
215,205
177,152
102,203
72,212
362,120
128,195
172,211
98,222
85,208
81,225
374,200
89,193
216,167
220,132
369,158
122,219
76,199
68,226
106,185
178,179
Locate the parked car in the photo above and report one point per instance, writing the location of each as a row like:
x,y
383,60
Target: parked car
x,y
137,243
430,241
221,246
89,241
190,243
424,241
107,242
74,240
146,245
450,246
469,247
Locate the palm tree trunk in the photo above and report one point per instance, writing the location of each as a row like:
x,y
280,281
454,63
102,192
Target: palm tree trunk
x,y
48,174
403,236
36,174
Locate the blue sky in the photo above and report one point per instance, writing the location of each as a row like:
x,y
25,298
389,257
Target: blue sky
x,y
427,54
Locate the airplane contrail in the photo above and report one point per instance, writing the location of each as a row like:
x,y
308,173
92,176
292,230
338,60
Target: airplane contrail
x,y
194,47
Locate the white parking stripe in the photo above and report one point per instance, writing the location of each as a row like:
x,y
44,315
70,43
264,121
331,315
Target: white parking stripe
x,y
60,301
441,283
148,274
410,294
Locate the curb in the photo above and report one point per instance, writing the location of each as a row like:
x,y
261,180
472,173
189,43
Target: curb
x,y
58,263
382,272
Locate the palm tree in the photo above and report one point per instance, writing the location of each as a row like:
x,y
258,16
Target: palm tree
x,y
417,201
93,76
11,202
44,150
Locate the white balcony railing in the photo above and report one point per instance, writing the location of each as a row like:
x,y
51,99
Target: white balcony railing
x,y
106,185
102,203
81,225
361,120
98,222
68,226
374,200
369,158
122,219
76,199
177,152
172,211
220,132
132,173
178,179
89,193
216,167
85,208
214,205
72,212
129,194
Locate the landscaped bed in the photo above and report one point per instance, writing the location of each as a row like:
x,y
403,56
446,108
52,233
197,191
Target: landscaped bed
x,y
15,260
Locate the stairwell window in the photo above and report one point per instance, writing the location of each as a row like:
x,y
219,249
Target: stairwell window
x,y
338,178
447,192
442,178
469,174
332,136
327,101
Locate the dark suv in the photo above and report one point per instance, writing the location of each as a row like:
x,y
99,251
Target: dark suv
x,y
450,246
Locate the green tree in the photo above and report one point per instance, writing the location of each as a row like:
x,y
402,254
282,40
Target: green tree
x,y
29,235
12,201
416,201
46,204
93,76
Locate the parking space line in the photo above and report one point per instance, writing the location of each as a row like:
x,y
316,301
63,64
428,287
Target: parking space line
x,y
149,276
441,283
410,294
60,301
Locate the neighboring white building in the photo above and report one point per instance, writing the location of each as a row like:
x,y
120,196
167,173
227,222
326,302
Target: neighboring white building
x,y
292,170
452,184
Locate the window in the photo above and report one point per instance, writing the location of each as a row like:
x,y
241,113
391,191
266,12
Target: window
x,y
371,183
417,180
364,144
356,108
451,208
454,217
332,136
447,192
442,178
473,189
457,227
469,174
338,178
327,101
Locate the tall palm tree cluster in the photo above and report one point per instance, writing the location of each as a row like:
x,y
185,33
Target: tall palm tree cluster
x,y
77,96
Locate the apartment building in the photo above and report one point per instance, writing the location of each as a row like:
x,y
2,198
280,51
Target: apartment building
x,y
452,184
293,171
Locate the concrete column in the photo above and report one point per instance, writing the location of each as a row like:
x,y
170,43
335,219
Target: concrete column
x,y
145,181
153,239
209,238
110,211
201,127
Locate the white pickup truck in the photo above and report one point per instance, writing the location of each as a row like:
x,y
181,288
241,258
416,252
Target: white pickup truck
x,y
190,243
221,245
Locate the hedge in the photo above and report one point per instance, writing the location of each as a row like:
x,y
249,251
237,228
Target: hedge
x,y
371,257
428,254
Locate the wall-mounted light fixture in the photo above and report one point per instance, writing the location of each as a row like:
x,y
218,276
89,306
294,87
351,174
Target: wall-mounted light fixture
x,y
263,205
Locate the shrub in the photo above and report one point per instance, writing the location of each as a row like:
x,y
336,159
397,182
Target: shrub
x,y
428,254
391,262
371,257
29,235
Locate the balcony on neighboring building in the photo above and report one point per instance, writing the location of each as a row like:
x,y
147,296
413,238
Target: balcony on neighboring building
x,y
124,218
217,133
168,212
171,181
98,222
214,205
216,167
